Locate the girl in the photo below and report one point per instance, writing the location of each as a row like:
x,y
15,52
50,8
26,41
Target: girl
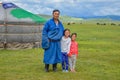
x,y
73,52
65,48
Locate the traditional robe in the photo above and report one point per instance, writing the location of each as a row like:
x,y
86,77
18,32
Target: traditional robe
x,y
51,35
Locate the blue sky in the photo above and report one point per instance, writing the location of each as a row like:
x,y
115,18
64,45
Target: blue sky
x,y
74,8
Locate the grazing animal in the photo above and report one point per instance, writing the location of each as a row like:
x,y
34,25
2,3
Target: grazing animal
x,y
113,24
68,23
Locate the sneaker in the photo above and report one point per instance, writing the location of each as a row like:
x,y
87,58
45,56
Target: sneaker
x,y
66,70
55,70
46,70
63,70
74,70
71,70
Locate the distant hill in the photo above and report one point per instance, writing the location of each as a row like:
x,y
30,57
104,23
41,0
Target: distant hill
x,y
74,19
109,17
45,16
63,18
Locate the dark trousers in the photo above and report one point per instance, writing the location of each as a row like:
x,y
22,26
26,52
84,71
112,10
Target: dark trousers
x,y
65,62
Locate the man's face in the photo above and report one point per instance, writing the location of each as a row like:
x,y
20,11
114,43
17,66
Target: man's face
x,y
56,15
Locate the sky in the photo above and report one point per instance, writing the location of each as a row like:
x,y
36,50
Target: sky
x,y
74,8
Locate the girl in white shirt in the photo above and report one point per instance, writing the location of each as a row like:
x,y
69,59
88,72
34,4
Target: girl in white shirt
x,y
65,48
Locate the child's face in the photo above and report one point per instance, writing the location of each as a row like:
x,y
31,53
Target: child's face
x,y
67,33
73,37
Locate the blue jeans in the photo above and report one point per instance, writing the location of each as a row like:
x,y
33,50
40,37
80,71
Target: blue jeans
x,y
65,62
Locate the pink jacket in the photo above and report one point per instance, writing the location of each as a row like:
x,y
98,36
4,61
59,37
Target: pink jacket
x,y
73,48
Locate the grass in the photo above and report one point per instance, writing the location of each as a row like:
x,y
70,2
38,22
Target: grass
x,y
98,59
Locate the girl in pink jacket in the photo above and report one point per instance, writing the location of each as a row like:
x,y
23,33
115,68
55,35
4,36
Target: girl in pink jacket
x,y
73,52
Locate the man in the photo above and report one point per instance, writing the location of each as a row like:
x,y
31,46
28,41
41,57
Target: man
x,y
51,34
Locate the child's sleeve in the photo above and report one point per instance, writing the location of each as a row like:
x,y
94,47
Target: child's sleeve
x,y
69,54
77,49
69,47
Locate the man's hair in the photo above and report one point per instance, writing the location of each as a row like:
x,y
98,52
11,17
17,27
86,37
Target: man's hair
x,y
56,10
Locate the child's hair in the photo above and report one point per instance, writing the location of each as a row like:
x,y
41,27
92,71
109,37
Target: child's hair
x,y
66,30
74,34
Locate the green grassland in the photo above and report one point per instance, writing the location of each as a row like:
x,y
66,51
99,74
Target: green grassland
x,y
98,59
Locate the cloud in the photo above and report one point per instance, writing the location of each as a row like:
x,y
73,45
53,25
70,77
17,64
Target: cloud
x,y
112,10
91,1
71,7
